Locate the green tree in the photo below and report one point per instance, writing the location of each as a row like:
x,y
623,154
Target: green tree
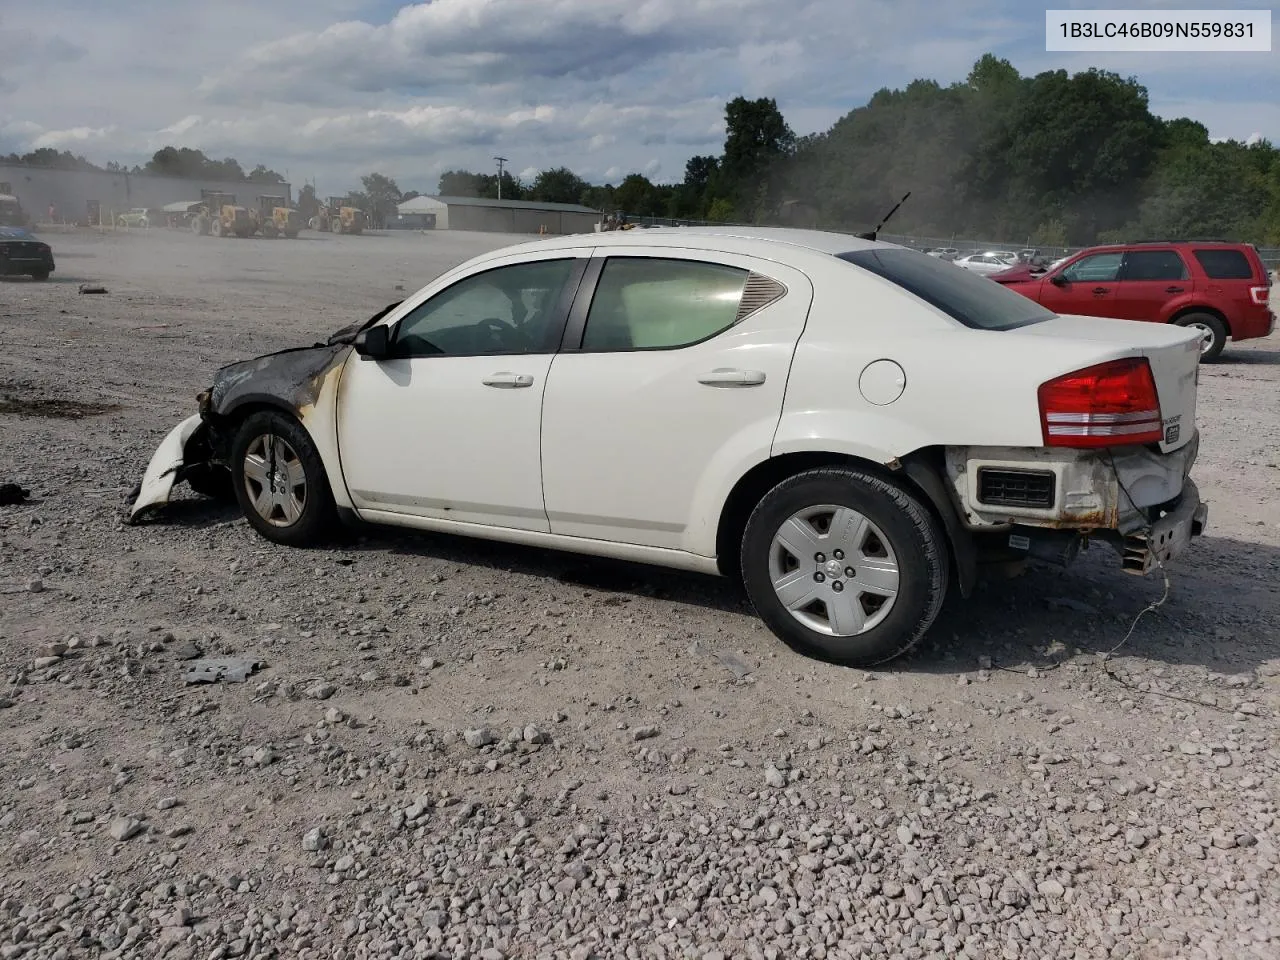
x,y
261,174
308,205
383,194
464,183
721,211
635,196
757,139
558,185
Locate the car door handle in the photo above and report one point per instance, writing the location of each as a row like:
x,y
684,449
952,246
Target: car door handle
x,y
1101,289
728,377
1173,289
508,380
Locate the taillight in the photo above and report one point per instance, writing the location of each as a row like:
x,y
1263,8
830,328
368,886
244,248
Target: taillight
x,y
1260,295
1107,405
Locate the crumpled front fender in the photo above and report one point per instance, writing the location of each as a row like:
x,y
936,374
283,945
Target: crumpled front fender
x,y
166,462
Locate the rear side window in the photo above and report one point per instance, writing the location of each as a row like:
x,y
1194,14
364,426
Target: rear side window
x,y
1225,264
1153,265
963,295
644,303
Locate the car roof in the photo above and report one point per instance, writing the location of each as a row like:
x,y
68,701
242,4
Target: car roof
x,y
709,238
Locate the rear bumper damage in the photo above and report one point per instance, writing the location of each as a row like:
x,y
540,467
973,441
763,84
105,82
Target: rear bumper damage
x,y
1049,504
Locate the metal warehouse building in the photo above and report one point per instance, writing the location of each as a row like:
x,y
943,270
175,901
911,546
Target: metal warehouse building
x,y
500,216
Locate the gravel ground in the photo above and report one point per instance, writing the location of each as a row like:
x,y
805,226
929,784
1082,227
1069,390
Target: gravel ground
x,y
457,749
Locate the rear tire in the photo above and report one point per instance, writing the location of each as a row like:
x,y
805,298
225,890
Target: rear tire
x,y
40,275
291,504
215,228
1214,328
888,539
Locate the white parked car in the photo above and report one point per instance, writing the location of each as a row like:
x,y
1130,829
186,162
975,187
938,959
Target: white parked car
x,y
984,263
848,426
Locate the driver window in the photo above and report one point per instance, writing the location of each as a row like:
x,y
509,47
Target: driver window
x,y
515,309
1099,268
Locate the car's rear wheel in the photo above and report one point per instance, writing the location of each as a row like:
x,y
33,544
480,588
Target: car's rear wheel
x,y
40,275
844,566
280,480
1213,329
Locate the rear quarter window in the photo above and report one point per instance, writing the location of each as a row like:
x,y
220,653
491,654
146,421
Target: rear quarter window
x,y
1225,264
965,296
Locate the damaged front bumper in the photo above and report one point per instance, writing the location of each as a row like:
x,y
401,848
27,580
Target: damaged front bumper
x,y
165,468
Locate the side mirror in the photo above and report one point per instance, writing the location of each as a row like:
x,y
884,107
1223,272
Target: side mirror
x,y
373,343
1058,280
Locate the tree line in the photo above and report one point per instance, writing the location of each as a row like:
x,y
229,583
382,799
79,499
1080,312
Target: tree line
x,y
1056,159
166,162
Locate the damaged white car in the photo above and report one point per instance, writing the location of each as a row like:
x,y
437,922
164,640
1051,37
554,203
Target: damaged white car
x,y
850,427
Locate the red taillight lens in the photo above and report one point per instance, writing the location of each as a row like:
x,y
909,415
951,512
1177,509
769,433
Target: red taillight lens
x,y
1108,405
1260,294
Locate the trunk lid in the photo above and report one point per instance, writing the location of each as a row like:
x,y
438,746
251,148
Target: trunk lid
x,y
1172,352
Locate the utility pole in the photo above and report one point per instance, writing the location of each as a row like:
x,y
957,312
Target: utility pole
x,y
501,161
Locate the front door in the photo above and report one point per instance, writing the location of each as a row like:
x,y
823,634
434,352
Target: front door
x,y
676,382
448,427
1148,280
1088,286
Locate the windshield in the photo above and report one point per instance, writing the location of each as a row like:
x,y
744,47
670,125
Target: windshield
x,y
970,298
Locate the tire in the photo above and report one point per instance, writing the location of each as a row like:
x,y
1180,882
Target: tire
x,y
895,532
1215,328
215,227
198,226
336,226
40,275
282,517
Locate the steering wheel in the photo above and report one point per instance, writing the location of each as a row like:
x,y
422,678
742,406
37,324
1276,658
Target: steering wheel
x,y
503,335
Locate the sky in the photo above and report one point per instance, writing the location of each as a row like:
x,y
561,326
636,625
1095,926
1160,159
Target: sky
x,y
332,89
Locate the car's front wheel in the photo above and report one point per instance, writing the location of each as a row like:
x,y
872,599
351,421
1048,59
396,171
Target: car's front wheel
x,y
280,481
844,566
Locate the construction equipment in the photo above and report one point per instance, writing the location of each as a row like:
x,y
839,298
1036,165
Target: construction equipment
x,y
219,216
337,215
275,218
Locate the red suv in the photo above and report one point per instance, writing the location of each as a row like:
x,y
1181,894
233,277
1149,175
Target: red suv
x,y
1222,289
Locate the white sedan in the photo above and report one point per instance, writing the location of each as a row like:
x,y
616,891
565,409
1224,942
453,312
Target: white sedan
x,y
849,427
985,263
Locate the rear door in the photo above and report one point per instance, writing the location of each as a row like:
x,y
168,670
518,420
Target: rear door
x,y
1149,279
672,376
1086,287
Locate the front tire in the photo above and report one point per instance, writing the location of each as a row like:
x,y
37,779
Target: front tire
x,y
280,480
844,566
1214,330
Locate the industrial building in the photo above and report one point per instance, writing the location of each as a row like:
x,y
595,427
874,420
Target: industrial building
x,y
81,196
497,216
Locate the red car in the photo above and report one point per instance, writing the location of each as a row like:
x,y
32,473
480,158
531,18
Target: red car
x,y
1221,288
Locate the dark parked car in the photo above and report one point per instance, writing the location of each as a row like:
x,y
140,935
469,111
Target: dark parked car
x,y
21,254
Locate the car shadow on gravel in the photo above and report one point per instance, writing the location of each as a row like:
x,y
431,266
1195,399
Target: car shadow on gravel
x,y
1220,614
1210,619
593,574
1247,358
